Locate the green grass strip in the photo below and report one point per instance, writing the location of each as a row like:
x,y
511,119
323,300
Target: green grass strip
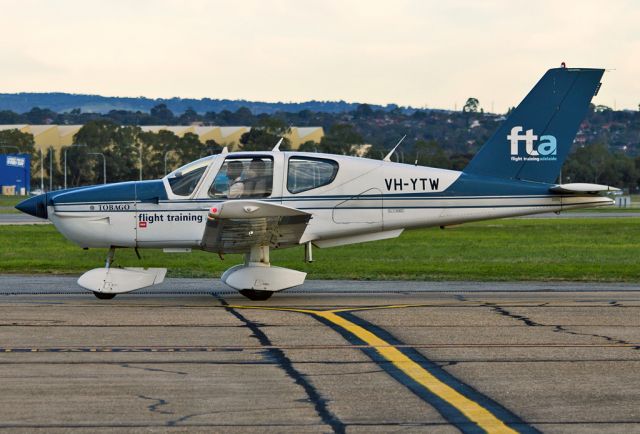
x,y
514,249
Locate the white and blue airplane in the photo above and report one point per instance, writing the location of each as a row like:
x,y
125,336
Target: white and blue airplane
x,y
252,202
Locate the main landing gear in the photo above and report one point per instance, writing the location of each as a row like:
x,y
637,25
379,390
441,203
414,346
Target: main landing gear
x,y
257,279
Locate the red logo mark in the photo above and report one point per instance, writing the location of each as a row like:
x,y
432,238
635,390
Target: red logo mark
x,y
214,210
142,224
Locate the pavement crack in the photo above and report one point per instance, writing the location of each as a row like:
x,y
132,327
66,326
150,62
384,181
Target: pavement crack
x,y
158,403
562,329
502,311
279,357
180,420
175,422
126,365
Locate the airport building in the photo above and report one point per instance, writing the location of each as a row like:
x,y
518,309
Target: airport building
x,y
15,174
59,136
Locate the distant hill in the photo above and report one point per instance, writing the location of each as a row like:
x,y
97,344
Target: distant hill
x,y
65,102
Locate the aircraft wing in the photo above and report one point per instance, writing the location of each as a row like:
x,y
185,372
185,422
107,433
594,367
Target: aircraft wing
x,y
580,187
235,226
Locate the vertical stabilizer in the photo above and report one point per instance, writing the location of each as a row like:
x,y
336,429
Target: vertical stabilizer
x,y
536,137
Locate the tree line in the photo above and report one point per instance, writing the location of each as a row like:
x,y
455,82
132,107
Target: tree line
x,y
606,150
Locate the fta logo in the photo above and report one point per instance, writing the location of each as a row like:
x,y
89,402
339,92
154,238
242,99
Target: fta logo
x,y
543,148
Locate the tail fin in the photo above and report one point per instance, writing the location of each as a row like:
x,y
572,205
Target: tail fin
x,y
535,139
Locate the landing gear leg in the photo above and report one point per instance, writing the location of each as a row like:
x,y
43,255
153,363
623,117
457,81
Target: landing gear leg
x,y
110,257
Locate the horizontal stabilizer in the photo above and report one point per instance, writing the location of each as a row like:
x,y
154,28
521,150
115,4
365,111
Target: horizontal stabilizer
x,y
120,280
581,187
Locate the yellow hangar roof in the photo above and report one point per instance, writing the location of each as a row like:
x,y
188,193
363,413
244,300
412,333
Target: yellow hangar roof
x,y
58,136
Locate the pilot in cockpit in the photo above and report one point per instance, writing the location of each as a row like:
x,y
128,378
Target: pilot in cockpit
x,y
257,182
243,179
236,183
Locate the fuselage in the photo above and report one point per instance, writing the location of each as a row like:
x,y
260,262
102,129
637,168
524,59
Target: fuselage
x,y
363,199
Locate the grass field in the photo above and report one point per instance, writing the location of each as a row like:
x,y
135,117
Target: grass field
x,y
515,249
604,210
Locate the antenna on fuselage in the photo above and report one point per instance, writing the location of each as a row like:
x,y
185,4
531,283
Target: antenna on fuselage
x,y
276,148
388,157
225,150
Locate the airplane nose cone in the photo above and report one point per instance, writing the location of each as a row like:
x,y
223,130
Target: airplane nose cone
x,y
35,206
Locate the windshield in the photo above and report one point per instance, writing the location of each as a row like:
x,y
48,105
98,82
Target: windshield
x,y
185,179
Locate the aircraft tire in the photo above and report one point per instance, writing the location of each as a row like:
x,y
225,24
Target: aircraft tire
x,y
103,296
255,295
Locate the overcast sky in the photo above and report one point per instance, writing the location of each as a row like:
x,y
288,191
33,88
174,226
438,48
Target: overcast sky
x,y
419,53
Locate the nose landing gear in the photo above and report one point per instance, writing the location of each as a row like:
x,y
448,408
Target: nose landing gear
x,y
106,282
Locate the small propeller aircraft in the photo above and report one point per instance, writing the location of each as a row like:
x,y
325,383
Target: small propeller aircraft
x,y
252,202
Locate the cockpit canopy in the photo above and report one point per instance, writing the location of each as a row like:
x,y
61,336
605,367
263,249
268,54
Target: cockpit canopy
x,y
251,176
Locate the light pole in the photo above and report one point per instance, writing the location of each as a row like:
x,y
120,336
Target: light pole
x,y
65,163
51,168
104,165
41,171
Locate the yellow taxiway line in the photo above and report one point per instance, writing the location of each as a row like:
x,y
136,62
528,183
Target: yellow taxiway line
x,y
474,411
471,409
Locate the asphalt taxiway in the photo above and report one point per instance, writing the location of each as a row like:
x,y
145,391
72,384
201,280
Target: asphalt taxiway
x,y
333,356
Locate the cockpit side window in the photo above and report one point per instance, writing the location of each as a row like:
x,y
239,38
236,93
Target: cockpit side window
x,y
243,178
184,180
308,173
